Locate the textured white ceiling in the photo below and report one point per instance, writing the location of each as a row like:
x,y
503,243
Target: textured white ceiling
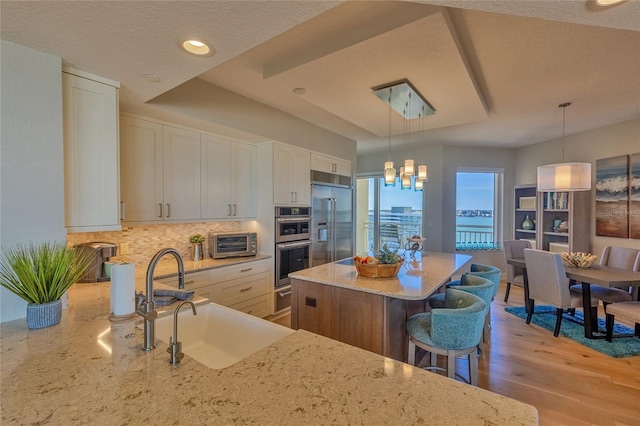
x,y
494,70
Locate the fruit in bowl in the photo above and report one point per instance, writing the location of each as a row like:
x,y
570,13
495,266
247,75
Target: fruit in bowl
x,y
384,264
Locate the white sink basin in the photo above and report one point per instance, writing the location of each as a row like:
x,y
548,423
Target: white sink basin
x,y
219,336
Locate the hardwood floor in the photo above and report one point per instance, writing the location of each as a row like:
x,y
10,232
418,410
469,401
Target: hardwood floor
x,y
568,383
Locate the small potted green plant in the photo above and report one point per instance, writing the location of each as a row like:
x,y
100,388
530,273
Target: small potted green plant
x,y
196,246
41,274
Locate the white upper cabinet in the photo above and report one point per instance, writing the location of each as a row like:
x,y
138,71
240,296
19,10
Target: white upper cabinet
x,y
327,164
160,172
181,174
228,179
291,180
90,125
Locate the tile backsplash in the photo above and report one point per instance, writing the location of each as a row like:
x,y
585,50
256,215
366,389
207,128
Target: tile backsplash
x,y
141,242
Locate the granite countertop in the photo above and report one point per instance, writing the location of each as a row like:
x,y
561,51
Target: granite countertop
x,y
416,280
88,370
168,266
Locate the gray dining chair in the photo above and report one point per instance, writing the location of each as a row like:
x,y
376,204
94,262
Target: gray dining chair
x,y
514,249
548,282
629,311
622,258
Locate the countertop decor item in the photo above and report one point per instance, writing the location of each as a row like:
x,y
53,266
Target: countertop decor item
x,y
40,274
578,260
196,246
385,264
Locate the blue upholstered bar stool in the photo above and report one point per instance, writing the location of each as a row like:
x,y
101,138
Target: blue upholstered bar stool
x,y
453,330
489,272
479,286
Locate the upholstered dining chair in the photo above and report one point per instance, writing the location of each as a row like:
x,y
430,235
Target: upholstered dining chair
x,y
548,282
622,258
453,330
513,249
629,311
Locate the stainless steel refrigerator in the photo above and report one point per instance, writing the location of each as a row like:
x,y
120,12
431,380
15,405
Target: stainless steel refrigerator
x,y
331,218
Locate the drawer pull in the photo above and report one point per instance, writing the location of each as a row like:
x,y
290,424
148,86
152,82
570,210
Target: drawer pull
x,y
249,312
242,290
189,282
246,270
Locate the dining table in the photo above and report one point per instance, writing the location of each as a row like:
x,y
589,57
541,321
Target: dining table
x,y
605,276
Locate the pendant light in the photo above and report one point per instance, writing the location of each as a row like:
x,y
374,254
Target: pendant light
x,y
422,169
389,171
409,164
405,100
564,176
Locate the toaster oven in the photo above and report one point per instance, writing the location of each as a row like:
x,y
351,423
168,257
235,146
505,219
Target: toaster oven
x,y
233,244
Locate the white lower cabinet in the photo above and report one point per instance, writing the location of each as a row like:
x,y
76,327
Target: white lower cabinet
x,y
244,287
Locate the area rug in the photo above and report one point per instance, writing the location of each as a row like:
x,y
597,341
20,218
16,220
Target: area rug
x,y
545,317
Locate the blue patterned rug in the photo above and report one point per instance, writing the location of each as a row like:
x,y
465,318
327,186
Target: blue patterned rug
x,y
545,317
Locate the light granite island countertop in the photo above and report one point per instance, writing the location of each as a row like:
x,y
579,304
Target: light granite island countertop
x,y
88,370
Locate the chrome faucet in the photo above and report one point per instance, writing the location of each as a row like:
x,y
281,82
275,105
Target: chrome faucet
x,y
147,310
175,347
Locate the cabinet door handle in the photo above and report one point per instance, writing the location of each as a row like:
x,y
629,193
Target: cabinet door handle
x,y
292,196
228,209
242,290
235,211
246,270
295,196
168,210
121,210
160,205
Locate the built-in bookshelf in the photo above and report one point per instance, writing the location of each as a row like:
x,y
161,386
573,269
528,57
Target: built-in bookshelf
x,y
526,203
561,219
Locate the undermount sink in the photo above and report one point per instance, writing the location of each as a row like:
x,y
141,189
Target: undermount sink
x,y
219,336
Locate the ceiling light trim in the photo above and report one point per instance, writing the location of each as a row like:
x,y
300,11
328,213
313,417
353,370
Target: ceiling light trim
x,y
403,90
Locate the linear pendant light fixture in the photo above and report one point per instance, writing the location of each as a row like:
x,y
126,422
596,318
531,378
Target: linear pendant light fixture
x,y
564,176
403,98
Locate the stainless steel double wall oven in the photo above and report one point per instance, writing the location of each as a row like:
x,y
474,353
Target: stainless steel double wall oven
x,y
293,249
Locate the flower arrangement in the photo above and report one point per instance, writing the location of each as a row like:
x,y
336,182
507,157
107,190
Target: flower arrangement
x,y
196,239
578,260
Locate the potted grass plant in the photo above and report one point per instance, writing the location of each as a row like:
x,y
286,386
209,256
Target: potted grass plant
x,y
41,274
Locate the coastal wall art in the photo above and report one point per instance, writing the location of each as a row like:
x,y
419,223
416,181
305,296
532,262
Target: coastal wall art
x,y
634,196
612,197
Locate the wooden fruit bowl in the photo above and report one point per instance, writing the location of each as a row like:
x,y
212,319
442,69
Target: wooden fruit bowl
x,y
378,270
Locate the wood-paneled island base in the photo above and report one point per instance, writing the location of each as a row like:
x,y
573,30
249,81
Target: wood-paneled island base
x,y
370,313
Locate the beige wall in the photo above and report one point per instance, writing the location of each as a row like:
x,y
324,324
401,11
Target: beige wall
x,y
31,155
610,141
520,167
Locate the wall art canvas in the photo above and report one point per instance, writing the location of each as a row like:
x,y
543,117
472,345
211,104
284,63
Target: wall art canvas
x,y
634,196
612,197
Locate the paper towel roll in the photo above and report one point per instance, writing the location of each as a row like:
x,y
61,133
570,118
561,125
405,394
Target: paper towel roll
x,y
123,289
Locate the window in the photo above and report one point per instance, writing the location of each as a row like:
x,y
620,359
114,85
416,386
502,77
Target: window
x,y
478,209
386,215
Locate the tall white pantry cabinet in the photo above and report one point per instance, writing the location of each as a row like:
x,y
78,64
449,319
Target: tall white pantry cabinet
x,y
90,127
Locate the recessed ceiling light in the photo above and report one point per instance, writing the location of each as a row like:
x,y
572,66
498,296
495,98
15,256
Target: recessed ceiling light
x,y
152,77
197,47
299,90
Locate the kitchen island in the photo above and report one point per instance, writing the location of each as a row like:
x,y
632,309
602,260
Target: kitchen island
x,y
87,370
371,313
